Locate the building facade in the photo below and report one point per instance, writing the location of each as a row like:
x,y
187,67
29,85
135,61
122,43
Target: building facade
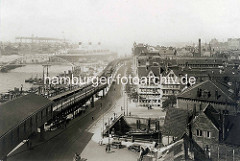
x,y
197,97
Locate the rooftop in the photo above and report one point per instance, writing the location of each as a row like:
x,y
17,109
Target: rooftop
x,y
14,112
208,91
231,124
144,71
175,122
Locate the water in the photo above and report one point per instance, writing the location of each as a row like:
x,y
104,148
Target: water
x,y
16,77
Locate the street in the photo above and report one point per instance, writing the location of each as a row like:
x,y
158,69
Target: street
x,y
75,137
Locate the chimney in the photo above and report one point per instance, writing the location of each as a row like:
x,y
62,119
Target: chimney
x,y
199,47
210,49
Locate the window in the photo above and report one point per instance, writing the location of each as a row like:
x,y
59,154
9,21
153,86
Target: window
x,y
208,134
199,132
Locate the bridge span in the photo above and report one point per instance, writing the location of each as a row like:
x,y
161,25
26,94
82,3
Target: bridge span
x,y
23,116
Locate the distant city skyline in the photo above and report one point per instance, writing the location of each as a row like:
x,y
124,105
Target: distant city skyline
x,y
117,24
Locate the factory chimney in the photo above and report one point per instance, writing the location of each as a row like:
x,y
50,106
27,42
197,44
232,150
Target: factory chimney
x,y
199,47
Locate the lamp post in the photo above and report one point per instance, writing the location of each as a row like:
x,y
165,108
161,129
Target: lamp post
x,y
124,103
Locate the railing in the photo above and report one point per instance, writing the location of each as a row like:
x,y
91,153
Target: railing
x,y
77,97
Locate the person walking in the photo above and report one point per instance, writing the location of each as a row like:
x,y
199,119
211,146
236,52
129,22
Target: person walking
x,y
76,157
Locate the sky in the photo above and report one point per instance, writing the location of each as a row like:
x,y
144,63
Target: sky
x,y
119,23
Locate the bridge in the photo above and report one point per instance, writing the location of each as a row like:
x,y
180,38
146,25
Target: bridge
x,y
34,59
22,117
56,59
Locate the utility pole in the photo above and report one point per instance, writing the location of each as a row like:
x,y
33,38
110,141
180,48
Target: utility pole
x,y
233,155
45,66
103,126
124,103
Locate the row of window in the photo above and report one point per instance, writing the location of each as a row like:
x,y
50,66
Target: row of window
x,y
170,92
149,101
149,89
147,105
200,65
206,134
171,86
149,96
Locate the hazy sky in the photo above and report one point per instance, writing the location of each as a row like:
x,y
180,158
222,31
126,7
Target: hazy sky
x,y
118,23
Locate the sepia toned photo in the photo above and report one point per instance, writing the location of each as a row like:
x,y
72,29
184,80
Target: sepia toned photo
x,y
119,80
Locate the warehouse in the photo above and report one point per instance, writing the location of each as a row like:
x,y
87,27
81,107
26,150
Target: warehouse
x,y
21,117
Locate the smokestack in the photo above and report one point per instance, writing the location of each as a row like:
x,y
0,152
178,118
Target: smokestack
x,y
199,47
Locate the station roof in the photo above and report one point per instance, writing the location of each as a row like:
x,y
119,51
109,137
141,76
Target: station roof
x,y
14,112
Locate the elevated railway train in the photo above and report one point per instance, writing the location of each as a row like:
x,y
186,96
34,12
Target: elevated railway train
x,y
71,102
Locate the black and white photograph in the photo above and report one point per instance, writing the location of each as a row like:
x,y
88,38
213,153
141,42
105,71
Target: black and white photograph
x,y
119,80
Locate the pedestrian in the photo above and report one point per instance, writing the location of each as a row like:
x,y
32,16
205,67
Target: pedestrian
x,y
101,142
92,118
76,157
109,148
106,149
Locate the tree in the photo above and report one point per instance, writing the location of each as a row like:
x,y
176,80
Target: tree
x,y
169,102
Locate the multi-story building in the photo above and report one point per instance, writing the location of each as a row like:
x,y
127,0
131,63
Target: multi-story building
x,y
149,92
197,97
216,133
233,44
200,63
136,51
170,84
